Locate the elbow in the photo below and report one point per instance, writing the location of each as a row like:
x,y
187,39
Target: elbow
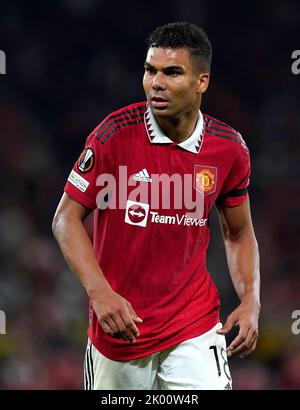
x,y
247,239
242,236
252,240
56,223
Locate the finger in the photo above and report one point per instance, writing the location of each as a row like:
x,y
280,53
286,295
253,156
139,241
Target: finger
x,y
251,347
137,319
131,318
116,332
133,314
106,328
227,327
109,327
130,325
124,329
239,340
241,349
250,342
118,335
245,347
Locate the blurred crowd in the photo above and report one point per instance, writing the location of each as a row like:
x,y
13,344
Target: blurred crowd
x,y
70,63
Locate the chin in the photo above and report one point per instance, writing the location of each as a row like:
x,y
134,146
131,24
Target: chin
x,y
161,112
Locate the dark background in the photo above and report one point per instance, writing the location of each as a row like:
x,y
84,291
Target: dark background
x,y
70,63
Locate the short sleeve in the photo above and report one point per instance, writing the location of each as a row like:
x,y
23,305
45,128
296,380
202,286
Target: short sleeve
x,y
97,157
234,192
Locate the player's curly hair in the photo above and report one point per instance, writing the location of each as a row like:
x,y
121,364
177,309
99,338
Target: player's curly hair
x,y
184,35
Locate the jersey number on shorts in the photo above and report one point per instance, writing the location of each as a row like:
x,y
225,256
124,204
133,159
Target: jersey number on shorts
x,y
225,363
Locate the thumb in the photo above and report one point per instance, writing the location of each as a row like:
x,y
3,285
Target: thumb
x,y
135,317
133,314
227,327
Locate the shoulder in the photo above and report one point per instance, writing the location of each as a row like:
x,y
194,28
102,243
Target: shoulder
x,y
130,111
219,129
130,115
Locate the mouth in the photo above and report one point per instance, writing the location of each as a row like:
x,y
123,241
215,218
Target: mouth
x,y
159,102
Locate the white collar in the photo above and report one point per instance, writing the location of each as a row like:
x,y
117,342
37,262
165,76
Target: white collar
x,y
156,135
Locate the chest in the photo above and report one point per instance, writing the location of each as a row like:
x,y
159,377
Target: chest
x,y
174,171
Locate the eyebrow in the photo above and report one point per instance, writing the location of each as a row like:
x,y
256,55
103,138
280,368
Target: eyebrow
x,y
165,69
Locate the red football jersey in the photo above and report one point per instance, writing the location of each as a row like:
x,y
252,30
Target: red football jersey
x,y
148,245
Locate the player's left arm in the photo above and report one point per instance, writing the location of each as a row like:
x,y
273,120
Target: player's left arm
x,y
243,262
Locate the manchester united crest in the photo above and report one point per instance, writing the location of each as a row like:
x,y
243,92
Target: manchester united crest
x,y
205,179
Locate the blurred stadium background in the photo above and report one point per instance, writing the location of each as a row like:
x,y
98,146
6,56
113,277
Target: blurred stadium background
x,y
71,62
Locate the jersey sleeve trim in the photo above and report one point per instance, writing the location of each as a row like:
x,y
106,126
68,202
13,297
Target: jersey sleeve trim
x,y
233,201
80,198
236,193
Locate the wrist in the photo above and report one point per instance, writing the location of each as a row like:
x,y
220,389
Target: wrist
x,y
96,292
251,300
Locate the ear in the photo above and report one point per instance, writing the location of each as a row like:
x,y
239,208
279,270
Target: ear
x,y
202,82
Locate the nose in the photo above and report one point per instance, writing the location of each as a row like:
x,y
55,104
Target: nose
x,y
158,82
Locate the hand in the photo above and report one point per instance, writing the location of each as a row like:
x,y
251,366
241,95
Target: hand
x,y
116,315
246,317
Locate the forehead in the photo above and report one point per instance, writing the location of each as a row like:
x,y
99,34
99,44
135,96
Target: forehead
x,y
163,57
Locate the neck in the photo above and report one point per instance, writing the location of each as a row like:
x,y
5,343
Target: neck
x,y
179,128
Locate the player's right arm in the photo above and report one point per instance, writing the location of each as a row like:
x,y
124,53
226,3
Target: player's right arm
x,y
115,314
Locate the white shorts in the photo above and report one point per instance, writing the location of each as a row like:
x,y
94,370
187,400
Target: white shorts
x,y
198,363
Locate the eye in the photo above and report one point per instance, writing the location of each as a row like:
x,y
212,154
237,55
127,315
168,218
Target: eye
x,y
173,72
150,70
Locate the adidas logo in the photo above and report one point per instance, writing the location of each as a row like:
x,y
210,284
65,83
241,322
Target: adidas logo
x,y
228,386
142,176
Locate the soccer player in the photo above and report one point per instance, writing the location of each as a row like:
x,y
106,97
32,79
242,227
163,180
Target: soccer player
x,y
154,309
